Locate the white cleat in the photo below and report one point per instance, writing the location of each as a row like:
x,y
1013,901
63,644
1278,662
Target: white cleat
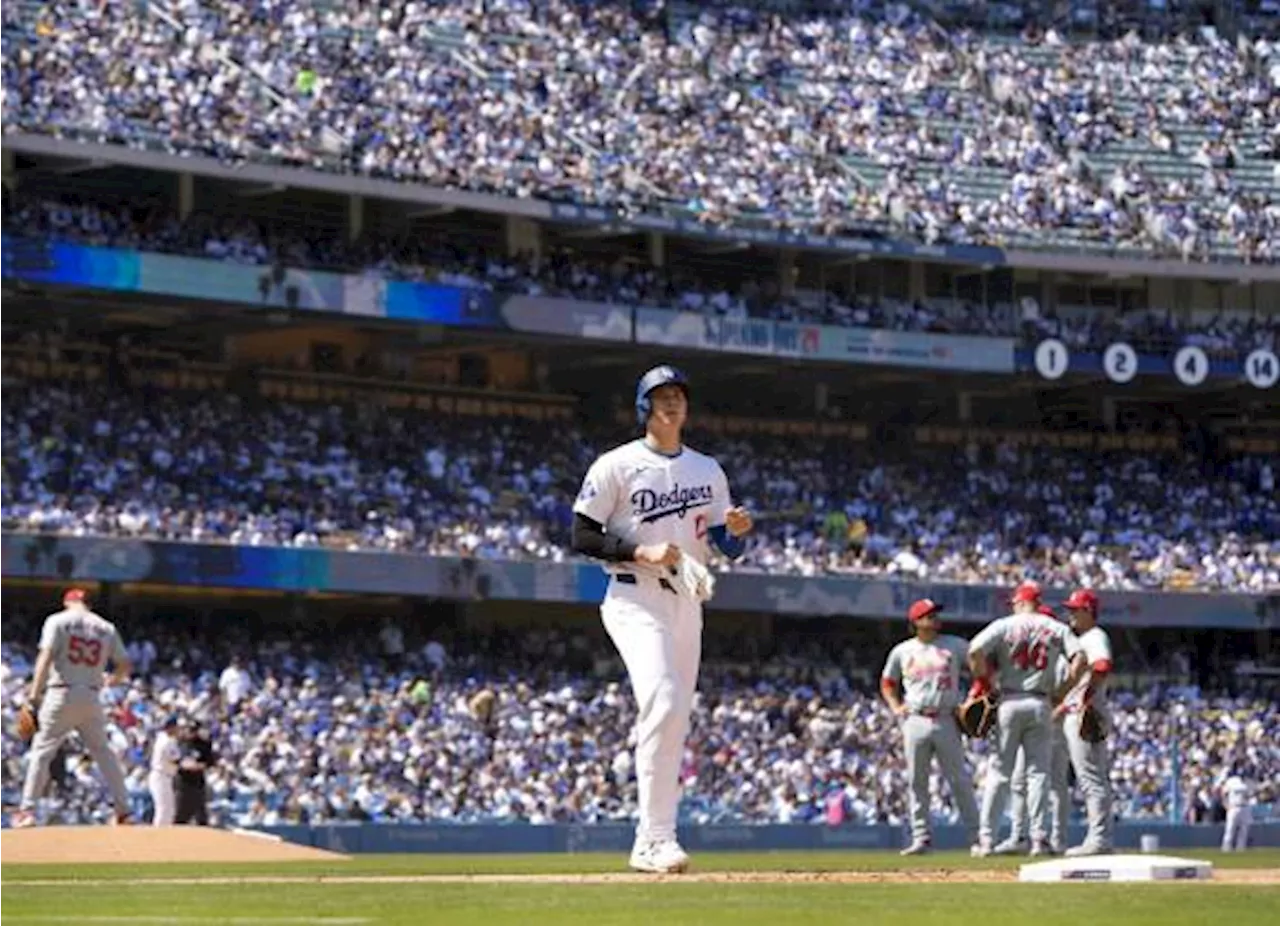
x,y
1086,849
1042,850
1011,847
23,819
659,857
918,847
980,849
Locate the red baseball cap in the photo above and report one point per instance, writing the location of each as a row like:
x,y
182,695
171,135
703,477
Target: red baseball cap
x,y
73,595
922,609
1083,599
1026,591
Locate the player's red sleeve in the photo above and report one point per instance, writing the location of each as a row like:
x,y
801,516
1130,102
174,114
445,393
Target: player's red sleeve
x,y
888,685
1101,667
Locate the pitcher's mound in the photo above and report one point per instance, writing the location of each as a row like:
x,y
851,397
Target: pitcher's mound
x,y
80,845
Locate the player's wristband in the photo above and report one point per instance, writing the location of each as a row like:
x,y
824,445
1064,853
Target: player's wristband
x,y
618,549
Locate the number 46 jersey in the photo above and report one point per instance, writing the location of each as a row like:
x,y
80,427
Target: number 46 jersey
x,y
81,643
1026,648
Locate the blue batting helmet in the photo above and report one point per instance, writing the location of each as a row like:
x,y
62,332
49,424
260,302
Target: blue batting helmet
x,y
658,376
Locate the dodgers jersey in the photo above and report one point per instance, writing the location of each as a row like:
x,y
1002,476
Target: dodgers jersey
x,y
648,497
1236,793
165,755
929,672
1027,648
1096,646
81,643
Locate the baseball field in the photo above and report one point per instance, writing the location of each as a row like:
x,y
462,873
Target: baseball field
x,y
729,889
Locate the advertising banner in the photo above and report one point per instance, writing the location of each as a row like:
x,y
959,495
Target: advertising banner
x,y
568,318
288,569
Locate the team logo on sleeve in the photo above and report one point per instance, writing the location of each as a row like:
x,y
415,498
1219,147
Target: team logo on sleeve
x,y
649,505
589,491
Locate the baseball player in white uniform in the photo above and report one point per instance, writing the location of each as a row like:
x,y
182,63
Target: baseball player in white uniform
x,y
1088,685
1237,795
649,510
1024,647
927,668
1059,783
166,752
76,646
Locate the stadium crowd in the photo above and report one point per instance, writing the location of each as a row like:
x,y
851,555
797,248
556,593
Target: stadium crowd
x,y
436,258
883,119
321,727
93,460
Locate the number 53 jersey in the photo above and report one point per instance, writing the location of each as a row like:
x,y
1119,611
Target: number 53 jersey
x,y
81,643
1026,649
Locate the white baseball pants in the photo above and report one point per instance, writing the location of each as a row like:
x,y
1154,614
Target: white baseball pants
x,y
162,796
1235,838
658,633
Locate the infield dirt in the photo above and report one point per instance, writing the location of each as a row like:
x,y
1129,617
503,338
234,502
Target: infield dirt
x,y
83,845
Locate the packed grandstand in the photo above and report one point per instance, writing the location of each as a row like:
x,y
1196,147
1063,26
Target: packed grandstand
x,y
314,728
873,116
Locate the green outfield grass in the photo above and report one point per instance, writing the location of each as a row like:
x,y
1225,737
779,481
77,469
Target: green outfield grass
x,y
117,901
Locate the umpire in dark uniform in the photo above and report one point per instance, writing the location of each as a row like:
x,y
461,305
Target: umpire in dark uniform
x,y
190,787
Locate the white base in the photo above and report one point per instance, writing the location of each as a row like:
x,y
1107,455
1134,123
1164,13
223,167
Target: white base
x,y
1118,868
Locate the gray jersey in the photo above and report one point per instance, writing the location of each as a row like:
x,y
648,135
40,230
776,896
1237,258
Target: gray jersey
x,y
81,644
1026,648
1096,646
929,672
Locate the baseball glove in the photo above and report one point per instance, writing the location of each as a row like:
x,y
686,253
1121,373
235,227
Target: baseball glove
x,y
28,723
1092,727
482,704
977,715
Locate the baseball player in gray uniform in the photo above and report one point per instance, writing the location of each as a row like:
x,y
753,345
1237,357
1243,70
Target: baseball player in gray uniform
x,y
76,647
1023,648
651,509
927,669
1059,783
1088,686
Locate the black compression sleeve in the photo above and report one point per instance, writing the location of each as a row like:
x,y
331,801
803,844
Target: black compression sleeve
x,y
591,539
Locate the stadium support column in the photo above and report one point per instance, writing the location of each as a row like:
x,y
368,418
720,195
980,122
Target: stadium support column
x,y
657,249
787,271
10,171
1109,413
523,237
915,281
355,217
186,195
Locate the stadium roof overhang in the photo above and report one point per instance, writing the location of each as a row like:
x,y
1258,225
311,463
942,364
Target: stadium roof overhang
x,y
79,156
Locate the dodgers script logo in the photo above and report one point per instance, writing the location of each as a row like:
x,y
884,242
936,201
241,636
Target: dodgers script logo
x,y
654,506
